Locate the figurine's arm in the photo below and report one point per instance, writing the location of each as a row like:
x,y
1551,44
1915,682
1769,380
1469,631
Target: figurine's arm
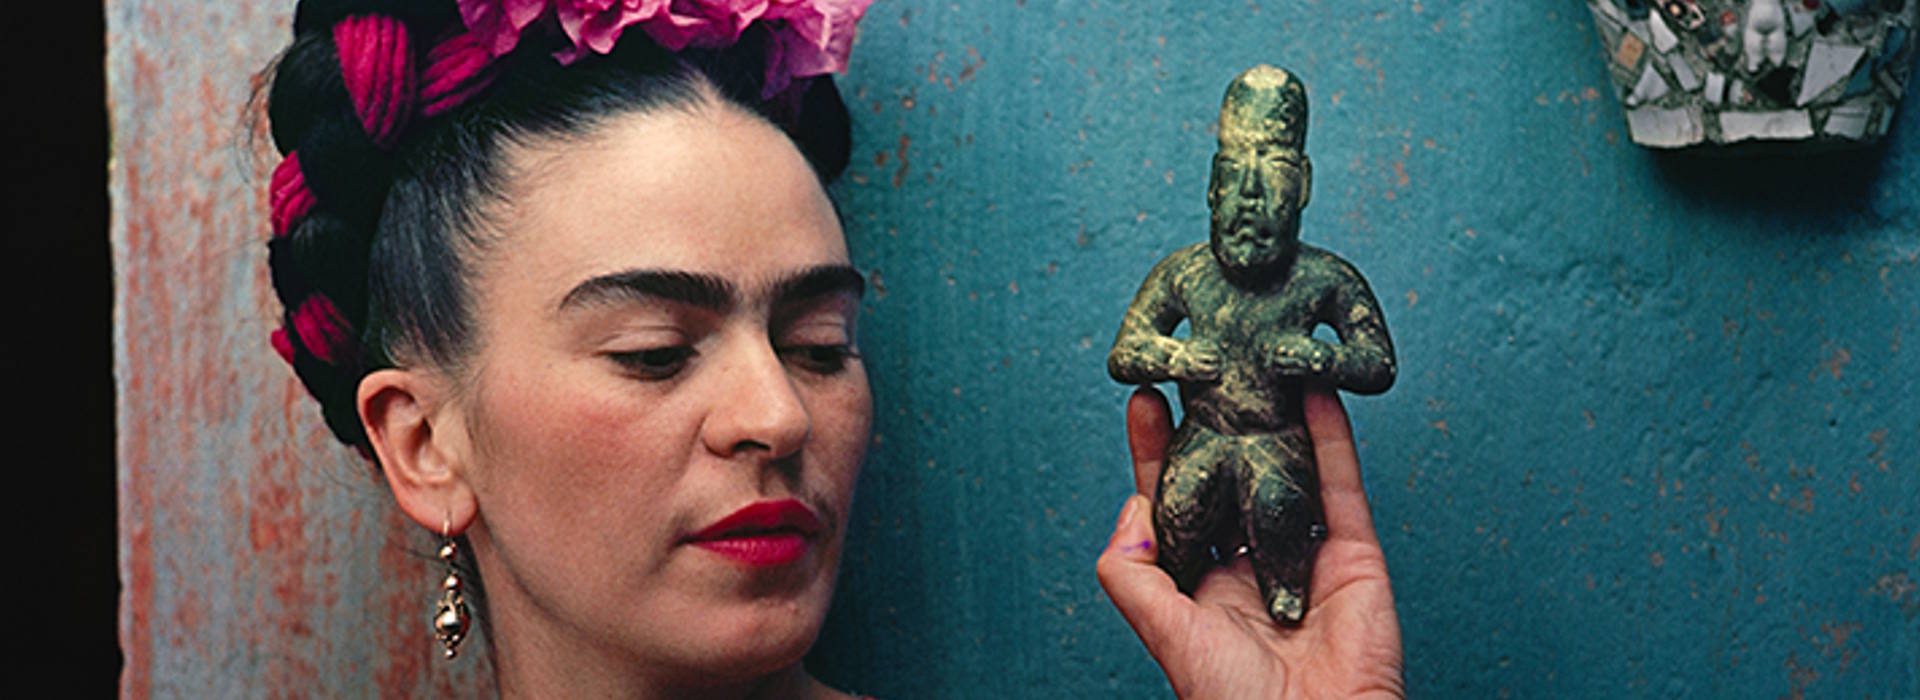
x,y
1363,361
1144,352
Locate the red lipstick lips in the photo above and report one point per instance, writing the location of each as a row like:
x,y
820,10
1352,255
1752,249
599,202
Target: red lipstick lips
x,y
768,533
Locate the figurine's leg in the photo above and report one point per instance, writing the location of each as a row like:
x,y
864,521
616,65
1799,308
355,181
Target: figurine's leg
x,y
1285,524
1188,511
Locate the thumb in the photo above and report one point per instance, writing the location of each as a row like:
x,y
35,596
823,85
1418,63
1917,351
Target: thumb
x,y
1144,595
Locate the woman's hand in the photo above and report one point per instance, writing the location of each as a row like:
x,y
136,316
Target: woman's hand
x,y
1220,643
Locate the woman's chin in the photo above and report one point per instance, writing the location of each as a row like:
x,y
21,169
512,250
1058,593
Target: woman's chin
x,y
765,622
728,654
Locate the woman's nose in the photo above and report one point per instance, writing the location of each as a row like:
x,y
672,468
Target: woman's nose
x,y
756,408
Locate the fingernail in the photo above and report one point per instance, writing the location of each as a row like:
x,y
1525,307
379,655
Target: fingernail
x,y
1128,512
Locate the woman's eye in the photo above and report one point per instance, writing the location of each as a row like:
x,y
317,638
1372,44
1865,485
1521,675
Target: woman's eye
x,y
820,359
654,363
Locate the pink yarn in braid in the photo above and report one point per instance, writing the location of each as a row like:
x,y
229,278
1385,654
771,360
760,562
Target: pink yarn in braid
x,y
456,71
376,64
288,195
323,330
281,345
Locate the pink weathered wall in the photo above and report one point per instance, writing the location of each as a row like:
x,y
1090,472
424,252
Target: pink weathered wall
x,y
258,559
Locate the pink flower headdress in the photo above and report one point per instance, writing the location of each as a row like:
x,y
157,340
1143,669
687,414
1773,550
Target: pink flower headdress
x,y
810,37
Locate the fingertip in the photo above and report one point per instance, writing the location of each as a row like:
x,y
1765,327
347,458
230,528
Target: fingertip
x,y
1129,535
1125,545
1148,405
1130,512
1149,428
1326,416
1344,493
1136,528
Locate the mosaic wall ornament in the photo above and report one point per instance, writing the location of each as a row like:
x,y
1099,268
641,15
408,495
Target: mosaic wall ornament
x,y
1813,73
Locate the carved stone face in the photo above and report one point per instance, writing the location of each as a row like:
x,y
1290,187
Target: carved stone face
x,y
1261,175
1256,195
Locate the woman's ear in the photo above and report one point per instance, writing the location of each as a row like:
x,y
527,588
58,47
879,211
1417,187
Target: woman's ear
x,y
422,446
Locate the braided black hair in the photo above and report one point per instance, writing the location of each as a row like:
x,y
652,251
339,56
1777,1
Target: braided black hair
x,y
393,228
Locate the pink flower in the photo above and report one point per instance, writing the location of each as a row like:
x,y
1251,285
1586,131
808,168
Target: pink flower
x,y
816,40
703,23
595,25
498,23
810,37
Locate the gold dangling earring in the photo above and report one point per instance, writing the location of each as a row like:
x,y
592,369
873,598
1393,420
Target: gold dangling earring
x,y
450,619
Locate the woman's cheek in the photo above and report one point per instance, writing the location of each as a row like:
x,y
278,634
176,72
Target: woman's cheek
x,y
857,413
575,427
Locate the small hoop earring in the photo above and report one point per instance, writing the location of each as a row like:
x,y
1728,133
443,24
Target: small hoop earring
x,y
450,618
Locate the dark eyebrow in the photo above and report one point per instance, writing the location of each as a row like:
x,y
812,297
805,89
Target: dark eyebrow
x,y
694,289
815,282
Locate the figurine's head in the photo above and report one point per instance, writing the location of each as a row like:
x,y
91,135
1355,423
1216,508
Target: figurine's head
x,y
1261,175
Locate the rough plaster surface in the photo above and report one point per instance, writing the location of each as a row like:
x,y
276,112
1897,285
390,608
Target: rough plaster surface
x,y
1653,435
258,558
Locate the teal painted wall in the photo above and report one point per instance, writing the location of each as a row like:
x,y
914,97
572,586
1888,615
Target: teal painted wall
x,y
1654,434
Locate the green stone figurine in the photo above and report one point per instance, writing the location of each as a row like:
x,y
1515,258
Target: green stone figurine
x,y
1240,470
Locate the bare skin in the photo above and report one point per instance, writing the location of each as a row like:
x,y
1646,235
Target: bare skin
x,y
647,365
1220,643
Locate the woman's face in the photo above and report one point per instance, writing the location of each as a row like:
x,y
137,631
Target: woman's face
x,y
665,419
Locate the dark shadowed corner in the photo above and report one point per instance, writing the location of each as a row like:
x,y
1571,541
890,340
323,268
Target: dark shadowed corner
x,y
1783,182
58,354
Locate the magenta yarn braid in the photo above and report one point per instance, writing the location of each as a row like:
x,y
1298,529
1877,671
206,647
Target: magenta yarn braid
x,y
377,69
374,206
288,195
457,69
376,63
